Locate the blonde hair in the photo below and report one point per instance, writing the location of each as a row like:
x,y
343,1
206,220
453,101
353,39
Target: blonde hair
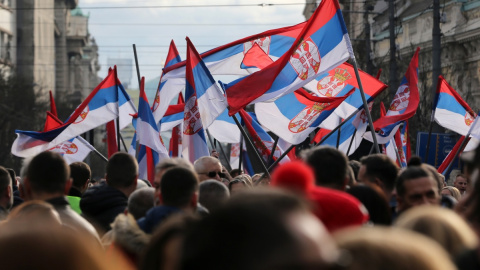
x,y
454,191
440,224
390,248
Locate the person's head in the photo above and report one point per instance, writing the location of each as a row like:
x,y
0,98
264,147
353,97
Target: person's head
x,y
178,188
329,165
452,191
441,225
140,201
355,165
235,172
380,248
375,201
42,212
47,176
6,190
80,173
208,168
122,172
461,183
245,235
212,194
380,170
238,185
415,186
13,175
166,164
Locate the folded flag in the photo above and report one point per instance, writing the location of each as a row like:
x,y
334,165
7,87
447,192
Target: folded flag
x,y
107,101
322,45
294,116
451,111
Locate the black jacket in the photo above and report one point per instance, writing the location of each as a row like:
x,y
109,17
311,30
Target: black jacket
x,y
101,204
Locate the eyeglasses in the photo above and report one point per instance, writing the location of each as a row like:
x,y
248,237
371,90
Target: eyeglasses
x,y
213,174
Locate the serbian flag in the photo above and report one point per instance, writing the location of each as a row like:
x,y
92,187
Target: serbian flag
x,y
224,129
200,91
262,141
451,111
322,45
173,117
449,158
349,136
107,101
294,116
404,104
165,92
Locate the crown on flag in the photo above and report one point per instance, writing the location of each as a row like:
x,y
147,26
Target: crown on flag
x,y
317,107
342,74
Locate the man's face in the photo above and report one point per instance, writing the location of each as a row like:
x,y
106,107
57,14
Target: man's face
x,y
209,170
419,191
156,185
361,177
461,184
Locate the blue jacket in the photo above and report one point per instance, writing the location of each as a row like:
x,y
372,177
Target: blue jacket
x,y
155,216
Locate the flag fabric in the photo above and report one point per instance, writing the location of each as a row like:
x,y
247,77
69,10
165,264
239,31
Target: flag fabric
x,y
262,141
111,130
107,101
53,107
166,90
449,158
451,111
349,136
200,91
404,105
294,116
224,129
234,155
322,45
175,145
173,117
74,150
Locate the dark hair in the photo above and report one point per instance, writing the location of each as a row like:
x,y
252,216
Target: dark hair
x,y
122,170
235,172
355,165
244,235
381,167
177,186
140,201
212,194
80,173
374,201
329,165
410,173
13,175
48,172
5,180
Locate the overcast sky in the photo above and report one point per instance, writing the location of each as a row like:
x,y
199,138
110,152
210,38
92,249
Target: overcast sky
x,y
152,24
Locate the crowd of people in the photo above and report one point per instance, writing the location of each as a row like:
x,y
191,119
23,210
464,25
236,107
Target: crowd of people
x,y
321,211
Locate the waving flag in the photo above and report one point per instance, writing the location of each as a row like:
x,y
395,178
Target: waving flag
x,y
404,104
166,90
173,117
107,101
322,45
451,111
200,91
224,129
351,133
262,141
294,116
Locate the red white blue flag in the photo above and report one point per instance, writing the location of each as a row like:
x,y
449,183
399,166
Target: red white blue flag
x,y
107,101
294,116
451,111
404,104
204,101
322,45
166,91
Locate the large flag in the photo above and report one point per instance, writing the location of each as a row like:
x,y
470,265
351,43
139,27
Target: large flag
x,y
173,117
294,116
262,141
404,104
204,101
322,45
165,92
349,136
451,111
107,101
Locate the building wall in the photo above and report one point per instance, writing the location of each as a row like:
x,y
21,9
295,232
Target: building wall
x,y
7,36
44,47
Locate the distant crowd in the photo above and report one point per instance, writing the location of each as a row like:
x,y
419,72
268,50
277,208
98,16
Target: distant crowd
x,y
321,211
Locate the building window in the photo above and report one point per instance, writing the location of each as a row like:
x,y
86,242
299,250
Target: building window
x,y
5,44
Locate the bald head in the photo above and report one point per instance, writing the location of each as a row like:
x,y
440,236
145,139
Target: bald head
x,y
208,168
